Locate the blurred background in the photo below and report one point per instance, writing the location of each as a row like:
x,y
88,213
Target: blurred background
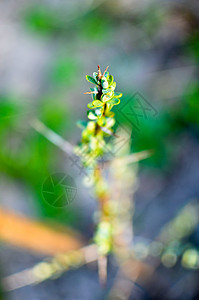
x,y
152,47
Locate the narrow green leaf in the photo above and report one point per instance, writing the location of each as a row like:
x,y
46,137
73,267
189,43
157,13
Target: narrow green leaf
x,y
97,103
110,79
107,91
114,101
105,98
113,86
95,76
91,79
106,74
90,105
117,95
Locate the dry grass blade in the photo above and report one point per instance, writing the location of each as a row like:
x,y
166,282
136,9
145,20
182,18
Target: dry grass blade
x,y
52,136
135,157
47,269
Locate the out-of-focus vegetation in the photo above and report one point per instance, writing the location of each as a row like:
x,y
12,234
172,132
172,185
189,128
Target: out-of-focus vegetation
x,y
29,157
152,49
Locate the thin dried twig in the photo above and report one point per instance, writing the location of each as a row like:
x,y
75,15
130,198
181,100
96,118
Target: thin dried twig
x,y
47,269
135,157
52,136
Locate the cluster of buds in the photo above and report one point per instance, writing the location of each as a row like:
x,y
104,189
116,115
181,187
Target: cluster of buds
x,y
101,118
92,147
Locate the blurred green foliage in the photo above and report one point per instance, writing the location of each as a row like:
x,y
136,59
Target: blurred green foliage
x,y
95,27
64,71
147,133
28,156
46,20
161,133
190,107
193,46
42,18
